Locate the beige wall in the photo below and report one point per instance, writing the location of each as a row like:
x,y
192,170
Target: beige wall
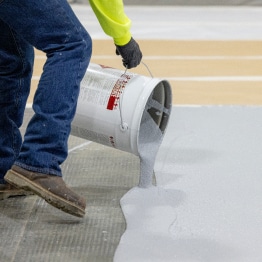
x,y
184,61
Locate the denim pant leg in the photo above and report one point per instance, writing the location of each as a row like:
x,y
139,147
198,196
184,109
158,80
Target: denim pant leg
x,y
16,63
52,27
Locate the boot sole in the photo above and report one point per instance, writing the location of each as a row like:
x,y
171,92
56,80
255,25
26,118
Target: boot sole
x,y
15,193
22,182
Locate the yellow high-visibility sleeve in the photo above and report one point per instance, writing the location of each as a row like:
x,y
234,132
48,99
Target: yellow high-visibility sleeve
x,y
113,20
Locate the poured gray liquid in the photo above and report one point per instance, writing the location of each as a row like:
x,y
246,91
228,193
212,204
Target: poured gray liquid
x,y
150,138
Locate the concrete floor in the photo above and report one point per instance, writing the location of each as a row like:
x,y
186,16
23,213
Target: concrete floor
x,y
208,194
32,230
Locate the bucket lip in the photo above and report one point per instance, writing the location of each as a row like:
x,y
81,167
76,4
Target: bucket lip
x,y
152,83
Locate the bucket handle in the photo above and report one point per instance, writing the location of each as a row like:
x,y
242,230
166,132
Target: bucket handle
x,y
146,66
149,71
123,125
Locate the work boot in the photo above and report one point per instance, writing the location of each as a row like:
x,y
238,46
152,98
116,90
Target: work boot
x,y
51,188
7,190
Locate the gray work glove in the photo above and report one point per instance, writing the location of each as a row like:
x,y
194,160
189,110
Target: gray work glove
x,y
131,54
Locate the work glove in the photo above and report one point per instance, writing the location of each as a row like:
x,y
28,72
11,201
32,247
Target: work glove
x,y
131,54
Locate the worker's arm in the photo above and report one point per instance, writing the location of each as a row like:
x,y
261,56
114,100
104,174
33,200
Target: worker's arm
x,y
115,23
113,19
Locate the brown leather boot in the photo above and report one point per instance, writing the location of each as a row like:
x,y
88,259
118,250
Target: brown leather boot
x,y
7,190
51,188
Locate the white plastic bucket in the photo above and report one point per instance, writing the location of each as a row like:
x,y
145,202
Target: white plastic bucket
x,y
111,104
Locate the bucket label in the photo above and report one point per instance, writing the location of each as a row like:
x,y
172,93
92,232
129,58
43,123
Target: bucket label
x,y
103,86
117,90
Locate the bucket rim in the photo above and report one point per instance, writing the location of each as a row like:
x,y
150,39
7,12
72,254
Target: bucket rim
x,y
139,110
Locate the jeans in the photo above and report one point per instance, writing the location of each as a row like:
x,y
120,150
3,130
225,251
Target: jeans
x,y
50,26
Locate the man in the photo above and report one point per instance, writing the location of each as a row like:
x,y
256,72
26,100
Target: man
x,y
51,26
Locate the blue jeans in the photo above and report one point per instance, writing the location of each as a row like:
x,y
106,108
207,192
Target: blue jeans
x,y
50,26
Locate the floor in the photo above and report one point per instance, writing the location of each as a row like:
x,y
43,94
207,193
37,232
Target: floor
x,y
206,205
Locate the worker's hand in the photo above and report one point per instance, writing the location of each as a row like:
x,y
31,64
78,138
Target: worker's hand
x,y
131,54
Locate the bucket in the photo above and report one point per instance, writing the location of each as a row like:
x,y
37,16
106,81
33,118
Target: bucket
x,y
112,103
